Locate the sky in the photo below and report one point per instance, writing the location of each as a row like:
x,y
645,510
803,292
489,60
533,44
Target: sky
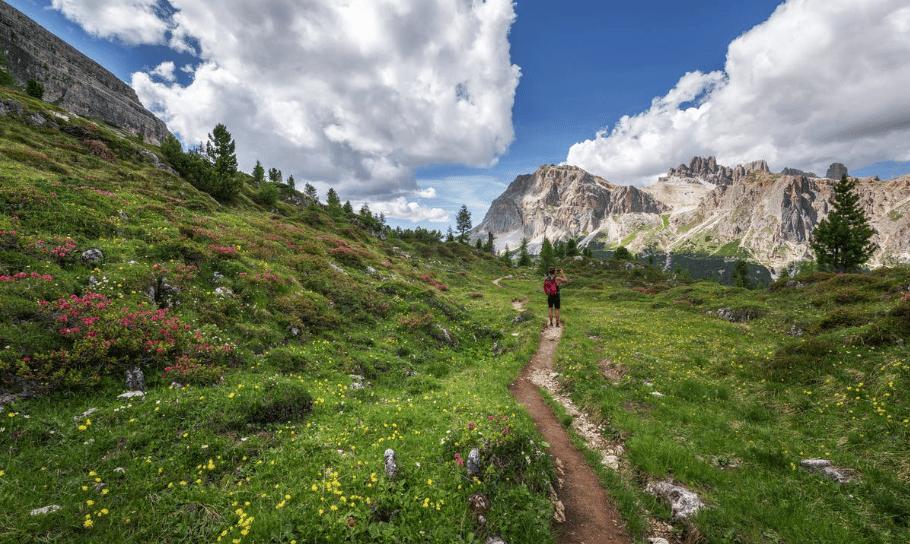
x,y
417,107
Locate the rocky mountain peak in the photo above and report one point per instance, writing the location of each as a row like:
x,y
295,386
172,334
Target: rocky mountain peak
x,y
707,170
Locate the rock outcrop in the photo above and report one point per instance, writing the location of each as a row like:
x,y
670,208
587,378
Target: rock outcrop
x,y
71,80
561,201
836,171
707,170
700,208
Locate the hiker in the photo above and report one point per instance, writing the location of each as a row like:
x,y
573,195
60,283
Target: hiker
x,y
551,286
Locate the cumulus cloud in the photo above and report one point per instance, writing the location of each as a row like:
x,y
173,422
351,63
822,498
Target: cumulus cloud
x,y
820,81
352,94
400,208
165,71
135,22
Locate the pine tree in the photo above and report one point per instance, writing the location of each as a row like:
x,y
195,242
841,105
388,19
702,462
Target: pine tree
x,y
547,256
841,241
524,258
463,223
35,89
490,246
219,179
291,182
274,175
258,172
310,192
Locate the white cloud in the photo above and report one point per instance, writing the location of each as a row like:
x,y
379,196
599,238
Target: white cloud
x,y
135,22
165,71
820,81
353,94
400,208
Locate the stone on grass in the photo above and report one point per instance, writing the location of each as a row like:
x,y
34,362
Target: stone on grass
x,y
92,256
45,510
85,414
135,380
827,469
391,463
683,503
474,463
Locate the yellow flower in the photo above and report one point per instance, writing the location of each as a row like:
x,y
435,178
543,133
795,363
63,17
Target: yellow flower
x,y
88,523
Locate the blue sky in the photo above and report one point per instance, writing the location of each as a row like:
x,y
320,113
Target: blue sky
x,y
419,106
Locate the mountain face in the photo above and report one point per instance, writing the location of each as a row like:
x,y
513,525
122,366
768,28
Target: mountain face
x,y
71,80
562,201
745,211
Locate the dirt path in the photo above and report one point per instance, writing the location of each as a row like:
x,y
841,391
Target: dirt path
x,y
590,516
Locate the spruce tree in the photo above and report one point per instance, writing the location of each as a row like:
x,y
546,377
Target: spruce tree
x,y
463,223
547,256
258,172
841,240
524,258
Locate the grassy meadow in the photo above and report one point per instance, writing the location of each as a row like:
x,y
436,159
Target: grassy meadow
x,y
286,347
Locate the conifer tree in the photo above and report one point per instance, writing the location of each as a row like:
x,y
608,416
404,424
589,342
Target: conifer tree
x,y
311,193
463,223
291,182
547,256
841,240
524,258
258,172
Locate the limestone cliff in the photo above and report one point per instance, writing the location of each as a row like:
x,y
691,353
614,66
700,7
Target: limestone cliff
x,y
562,201
71,80
702,208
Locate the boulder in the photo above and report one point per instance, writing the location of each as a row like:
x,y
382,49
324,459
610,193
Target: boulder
x,y
683,503
92,257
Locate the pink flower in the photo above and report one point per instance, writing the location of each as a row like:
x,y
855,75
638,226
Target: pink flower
x,y
470,426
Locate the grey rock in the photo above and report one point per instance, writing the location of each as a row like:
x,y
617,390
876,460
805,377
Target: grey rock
x,y
795,172
72,80
473,464
836,171
11,107
92,256
93,281
217,276
85,414
135,379
828,470
815,464
223,292
36,119
131,394
391,463
494,540
683,503
45,510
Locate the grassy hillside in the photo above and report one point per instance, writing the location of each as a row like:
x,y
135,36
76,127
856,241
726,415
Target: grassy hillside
x,y
285,349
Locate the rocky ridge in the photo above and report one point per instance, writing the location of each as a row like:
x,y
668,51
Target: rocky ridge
x,y
72,80
743,211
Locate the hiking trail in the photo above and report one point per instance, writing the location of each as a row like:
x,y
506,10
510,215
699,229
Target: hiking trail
x,y
590,516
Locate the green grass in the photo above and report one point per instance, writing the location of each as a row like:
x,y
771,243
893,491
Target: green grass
x,y
266,440
742,403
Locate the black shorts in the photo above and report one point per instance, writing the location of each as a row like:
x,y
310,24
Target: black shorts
x,y
553,301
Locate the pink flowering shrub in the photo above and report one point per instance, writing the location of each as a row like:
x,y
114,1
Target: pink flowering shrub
x,y
434,283
60,249
98,336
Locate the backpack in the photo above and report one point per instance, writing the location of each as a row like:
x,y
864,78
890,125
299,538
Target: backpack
x,y
550,287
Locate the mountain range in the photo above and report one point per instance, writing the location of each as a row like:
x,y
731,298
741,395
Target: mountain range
x,y
744,211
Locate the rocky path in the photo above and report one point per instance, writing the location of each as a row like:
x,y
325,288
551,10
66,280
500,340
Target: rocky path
x,y
590,517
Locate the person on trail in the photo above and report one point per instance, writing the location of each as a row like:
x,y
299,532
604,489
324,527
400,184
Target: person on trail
x,y
551,285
